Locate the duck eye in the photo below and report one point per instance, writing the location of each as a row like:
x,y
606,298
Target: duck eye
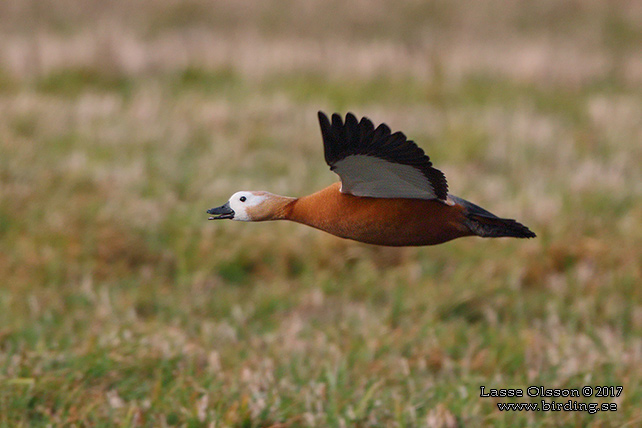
x,y
243,199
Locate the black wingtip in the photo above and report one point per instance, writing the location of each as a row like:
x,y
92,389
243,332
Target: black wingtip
x,y
337,121
324,122
351,118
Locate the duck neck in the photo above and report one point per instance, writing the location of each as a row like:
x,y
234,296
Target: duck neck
x,y
311,210
281,207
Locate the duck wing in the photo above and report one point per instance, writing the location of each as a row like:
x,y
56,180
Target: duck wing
x,y
376,163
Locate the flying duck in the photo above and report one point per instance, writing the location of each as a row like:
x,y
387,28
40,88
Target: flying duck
x,y
389,194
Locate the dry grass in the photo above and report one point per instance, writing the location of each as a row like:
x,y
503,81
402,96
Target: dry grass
x,y
123,121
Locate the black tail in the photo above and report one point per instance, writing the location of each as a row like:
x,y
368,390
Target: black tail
x,y
485,224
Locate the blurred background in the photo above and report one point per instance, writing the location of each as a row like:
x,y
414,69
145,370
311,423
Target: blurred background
x,y
122,122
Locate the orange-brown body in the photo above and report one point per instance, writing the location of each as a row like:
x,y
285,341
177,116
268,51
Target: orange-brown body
x,y
379,221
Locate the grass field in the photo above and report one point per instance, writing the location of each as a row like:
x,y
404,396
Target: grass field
x,y
122,122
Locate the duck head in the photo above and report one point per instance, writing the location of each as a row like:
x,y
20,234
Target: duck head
x,y
251,206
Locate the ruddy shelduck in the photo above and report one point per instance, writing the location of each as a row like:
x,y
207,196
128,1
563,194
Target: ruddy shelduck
x,y
389,194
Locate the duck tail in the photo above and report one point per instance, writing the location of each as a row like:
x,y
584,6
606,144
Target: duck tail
x,y
488,225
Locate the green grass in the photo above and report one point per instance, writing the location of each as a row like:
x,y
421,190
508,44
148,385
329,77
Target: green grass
x,y
120,304
73,82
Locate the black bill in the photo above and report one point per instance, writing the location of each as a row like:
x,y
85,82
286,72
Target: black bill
x,y
224,211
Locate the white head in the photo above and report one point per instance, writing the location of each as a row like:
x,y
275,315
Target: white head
x,y
250,206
